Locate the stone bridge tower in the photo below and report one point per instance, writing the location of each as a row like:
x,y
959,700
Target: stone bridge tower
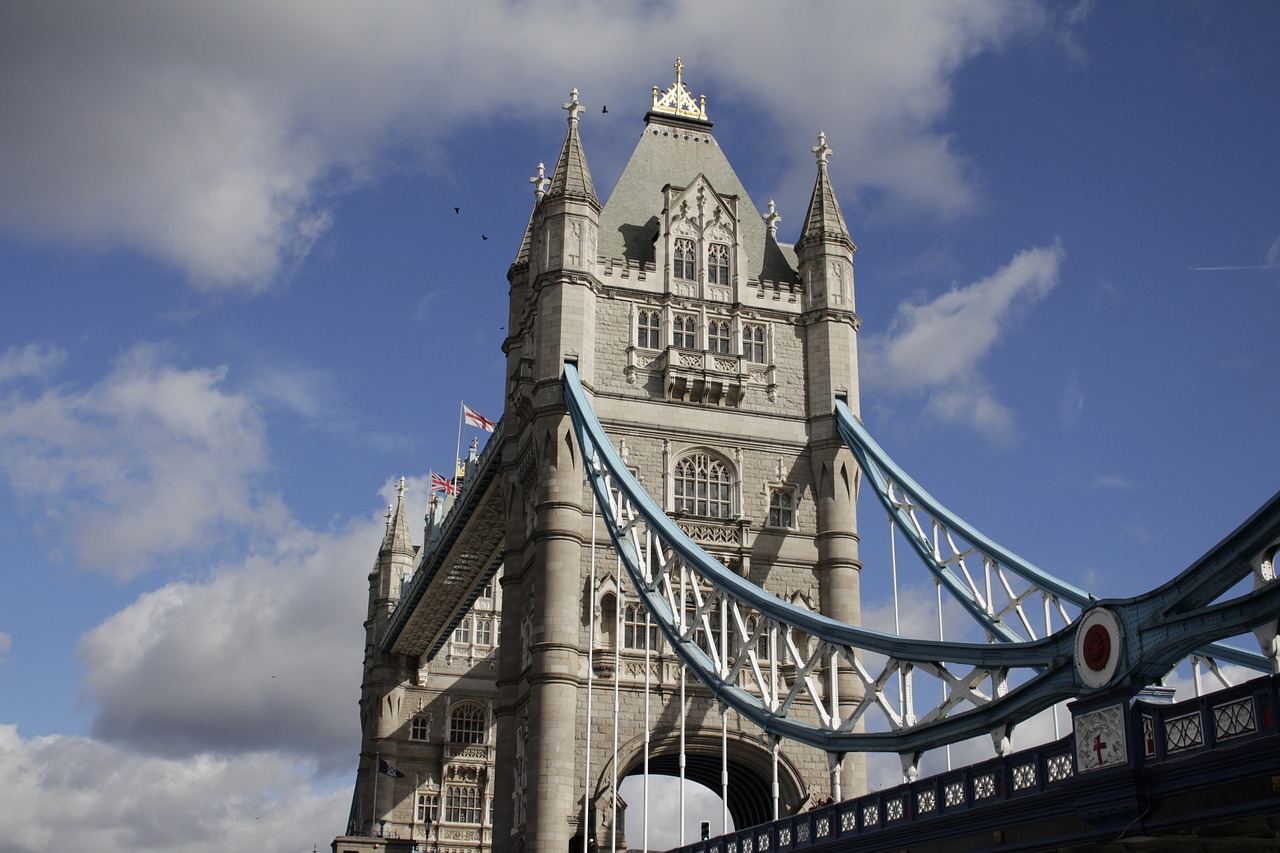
x,y
713,354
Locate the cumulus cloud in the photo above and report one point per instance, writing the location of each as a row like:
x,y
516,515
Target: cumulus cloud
x,y
150,461
264,655
77,793
217,138
934,349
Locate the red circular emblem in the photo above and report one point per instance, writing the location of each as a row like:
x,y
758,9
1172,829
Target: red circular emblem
x,y
1096,647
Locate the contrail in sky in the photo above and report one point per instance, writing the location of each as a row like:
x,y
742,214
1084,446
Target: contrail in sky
x,y
1215,269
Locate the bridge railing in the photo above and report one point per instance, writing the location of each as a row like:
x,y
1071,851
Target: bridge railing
x,y
1157,734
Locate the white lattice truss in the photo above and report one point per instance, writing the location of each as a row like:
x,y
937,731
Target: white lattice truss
x,y
783,666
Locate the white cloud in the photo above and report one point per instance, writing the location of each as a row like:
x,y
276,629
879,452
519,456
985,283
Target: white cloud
x,y
264,655
934,349
5,642
215,137
152,460
37,361
75,793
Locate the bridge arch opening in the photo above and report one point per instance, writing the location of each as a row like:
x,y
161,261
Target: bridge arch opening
x,y
750,771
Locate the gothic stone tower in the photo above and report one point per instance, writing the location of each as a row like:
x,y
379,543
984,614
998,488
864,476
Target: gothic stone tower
x,y
713,354
425,777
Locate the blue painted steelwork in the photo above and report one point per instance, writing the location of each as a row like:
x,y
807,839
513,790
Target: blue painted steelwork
x,y
902,497
693,597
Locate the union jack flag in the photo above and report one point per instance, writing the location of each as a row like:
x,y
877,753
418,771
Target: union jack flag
x,y
475,419
440,484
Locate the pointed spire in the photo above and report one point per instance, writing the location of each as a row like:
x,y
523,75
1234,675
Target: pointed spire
x,y
572,178
397,538
823,220
539,182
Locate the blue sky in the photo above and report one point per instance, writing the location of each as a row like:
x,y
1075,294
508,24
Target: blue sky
x,y
239,305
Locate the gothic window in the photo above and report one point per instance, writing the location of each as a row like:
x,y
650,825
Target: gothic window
x,y
682,265
484,632
782,506
428,807
487,590
694,621
762,641
462,634
634,628
420,728
753,343
683,327
718,336
702,486
467,724
717,264
463,804
649,330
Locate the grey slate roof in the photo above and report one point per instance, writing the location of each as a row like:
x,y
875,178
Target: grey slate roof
x,y
675,152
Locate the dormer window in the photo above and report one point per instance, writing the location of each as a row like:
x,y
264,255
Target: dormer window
x,y
682,263
718,264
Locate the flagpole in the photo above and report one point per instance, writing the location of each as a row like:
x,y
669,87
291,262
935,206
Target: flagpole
x,y
457,454
377,760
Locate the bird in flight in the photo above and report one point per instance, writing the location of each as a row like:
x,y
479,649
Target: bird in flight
x,y
457,210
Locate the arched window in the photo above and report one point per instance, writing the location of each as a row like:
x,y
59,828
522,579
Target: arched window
x,y
463,804
649,330
718,336
683,328
484,632
467,724
420,728
702,486
634,627
782,506
762,641
717,264
682,259
753,343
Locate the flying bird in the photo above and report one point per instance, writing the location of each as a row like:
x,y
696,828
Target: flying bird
x,y
457,210
604,109
484,236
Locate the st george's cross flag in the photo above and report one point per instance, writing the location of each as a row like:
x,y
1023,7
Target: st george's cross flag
x,y
475,419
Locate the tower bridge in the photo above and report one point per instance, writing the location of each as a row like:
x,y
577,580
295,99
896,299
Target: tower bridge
x,y
653,568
